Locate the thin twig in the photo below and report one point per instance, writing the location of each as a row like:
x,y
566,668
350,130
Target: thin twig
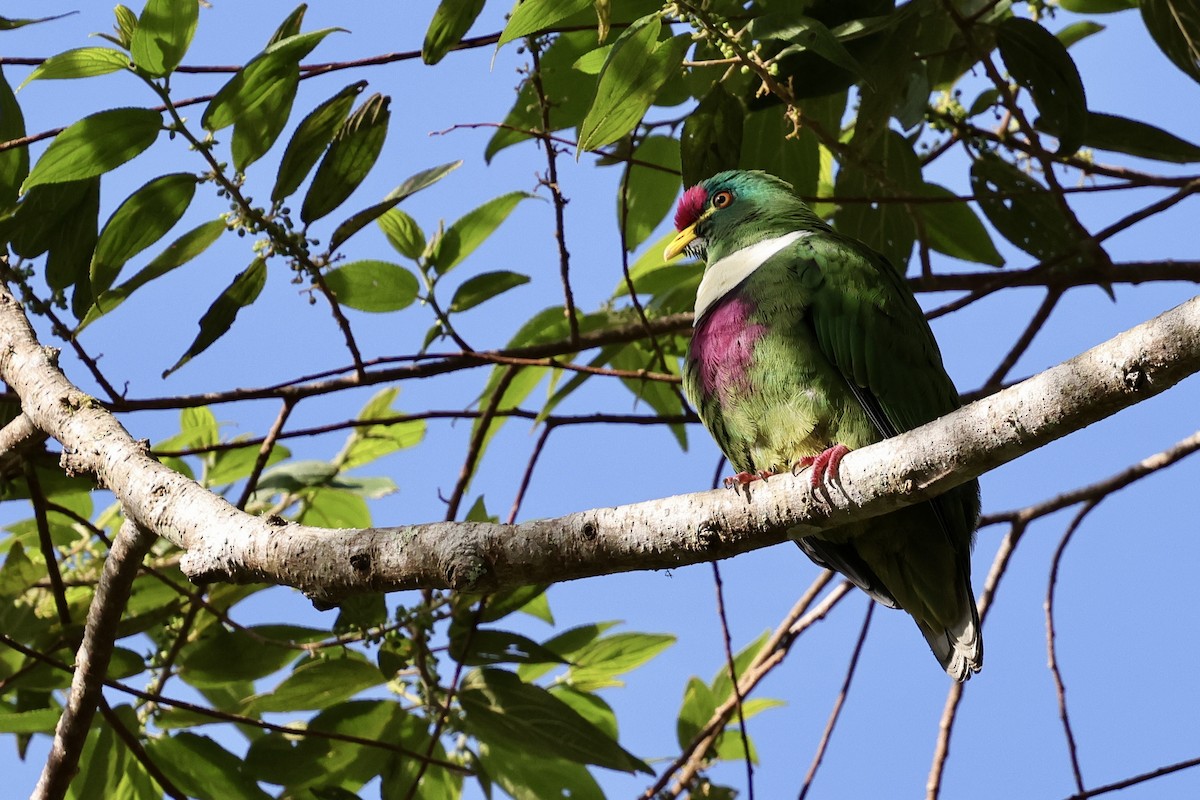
x,y
1052,651
837,706
731,665
1018,349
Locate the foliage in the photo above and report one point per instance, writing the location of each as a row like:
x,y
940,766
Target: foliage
x,y
442,691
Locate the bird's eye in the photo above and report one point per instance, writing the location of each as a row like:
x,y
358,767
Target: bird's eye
x,y
722,199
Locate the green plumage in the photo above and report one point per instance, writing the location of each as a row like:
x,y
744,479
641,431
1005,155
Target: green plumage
x,y
822,343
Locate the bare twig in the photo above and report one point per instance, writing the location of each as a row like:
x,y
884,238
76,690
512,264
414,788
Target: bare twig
x,y
837,706
731,665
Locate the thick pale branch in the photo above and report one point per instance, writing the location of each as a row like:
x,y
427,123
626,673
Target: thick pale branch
x,y
226,544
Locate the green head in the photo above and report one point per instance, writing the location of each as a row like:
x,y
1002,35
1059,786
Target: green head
x,y
734,209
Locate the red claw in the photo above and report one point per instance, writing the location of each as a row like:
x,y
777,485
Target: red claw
x,y
825,464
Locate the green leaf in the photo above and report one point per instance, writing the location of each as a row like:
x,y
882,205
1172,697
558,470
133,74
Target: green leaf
x,y
222,656
1097,6
140,221
7,24
803,33
1175,27
469,231
594,665
94,145
317,684
216,322
14,162
528,776
203,769
568,93
886,226
178,253
699,705
403,233
766,144
163,34
533,16
483,287
414,184
712,136
1037,60
529,599
954,229
256,130
83,62
499,709
310,139
349,158
1078,31
334,508
722,685
40,720
1123,135
635,70
450,23
126,25
488,646
370,442
1021,209
253,83
375,286
650,192
290,26
228,466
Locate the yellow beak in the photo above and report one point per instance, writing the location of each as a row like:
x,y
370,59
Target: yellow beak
x,y
681,241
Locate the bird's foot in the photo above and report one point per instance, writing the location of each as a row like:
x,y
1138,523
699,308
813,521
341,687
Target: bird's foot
x,y
824,464
744,478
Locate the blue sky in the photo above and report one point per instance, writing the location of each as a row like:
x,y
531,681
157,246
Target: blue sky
x,y
1126,614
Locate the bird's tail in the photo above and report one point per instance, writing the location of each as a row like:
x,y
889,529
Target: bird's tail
x,y
959,647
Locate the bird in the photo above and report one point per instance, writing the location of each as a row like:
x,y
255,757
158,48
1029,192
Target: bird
x,y
806,344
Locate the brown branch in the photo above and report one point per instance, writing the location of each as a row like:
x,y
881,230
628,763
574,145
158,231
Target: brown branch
x,y
91,663
1036,322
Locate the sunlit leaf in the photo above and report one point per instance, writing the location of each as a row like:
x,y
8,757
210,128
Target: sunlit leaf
x,y
537,15
140,221
370,285
94,145
469,231
485,286
350,156
163,34
253,83
84,62
178,253
635,70
202,768
312,136
450,23
14,162
804,33
411,186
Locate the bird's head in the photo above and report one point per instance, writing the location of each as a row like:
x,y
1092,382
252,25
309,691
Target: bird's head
x,y
734,209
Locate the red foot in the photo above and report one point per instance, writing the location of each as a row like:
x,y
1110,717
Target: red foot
x,y
825,464
743,478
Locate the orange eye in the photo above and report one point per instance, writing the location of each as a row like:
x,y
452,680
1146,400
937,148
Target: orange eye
x,y
722,199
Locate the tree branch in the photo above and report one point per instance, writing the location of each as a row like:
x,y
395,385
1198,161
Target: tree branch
x,y
91,663
225,544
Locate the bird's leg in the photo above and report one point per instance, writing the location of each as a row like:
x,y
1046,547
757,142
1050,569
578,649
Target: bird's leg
x,y
743,478
825,464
